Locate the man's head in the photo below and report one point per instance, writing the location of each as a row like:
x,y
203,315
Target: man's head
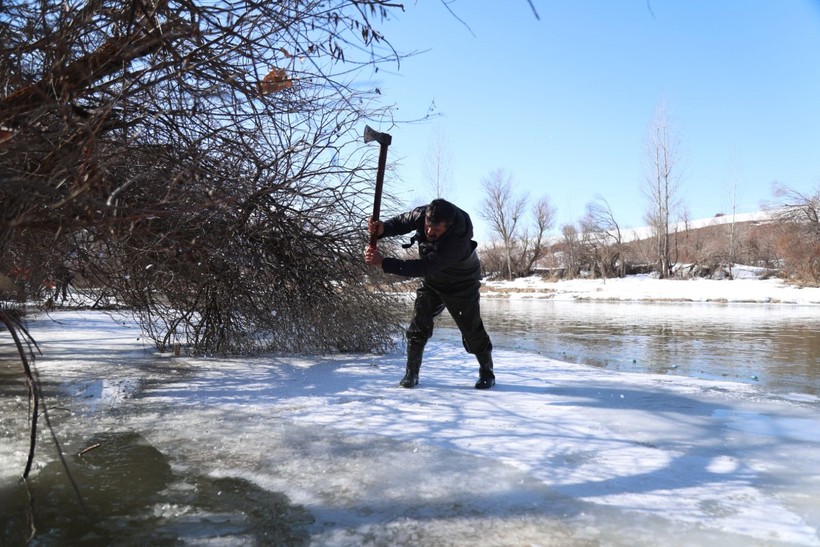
x,y
438,218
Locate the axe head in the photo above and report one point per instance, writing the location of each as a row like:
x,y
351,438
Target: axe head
x,y
371,134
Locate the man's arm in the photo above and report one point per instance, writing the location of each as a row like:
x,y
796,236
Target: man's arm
x,y
448,253
398,225
404,223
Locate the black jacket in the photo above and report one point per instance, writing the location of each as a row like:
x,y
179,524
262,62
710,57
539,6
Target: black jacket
x,y
449,260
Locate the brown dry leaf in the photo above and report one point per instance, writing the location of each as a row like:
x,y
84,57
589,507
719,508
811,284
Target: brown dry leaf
x,y
275,80
5,134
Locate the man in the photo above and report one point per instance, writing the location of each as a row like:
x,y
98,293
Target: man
x,y
451,274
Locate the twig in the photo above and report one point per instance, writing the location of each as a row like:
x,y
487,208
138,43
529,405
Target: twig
x,y
35,396
60,452
30,515
89,449
535,13
33,389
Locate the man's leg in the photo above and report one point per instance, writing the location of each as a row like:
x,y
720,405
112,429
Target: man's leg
x,y
411,373
465,308
486,376
427,306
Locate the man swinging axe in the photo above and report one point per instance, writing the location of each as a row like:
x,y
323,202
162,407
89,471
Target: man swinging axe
x,y
449,269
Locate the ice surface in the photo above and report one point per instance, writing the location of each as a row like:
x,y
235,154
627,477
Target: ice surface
x,y
556,454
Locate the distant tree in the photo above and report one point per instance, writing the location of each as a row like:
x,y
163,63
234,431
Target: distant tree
x,y
731,227
689,243
799,243
493,258
662,184
572,251
605,236
504,210
761,249
438,168
535,246
797,207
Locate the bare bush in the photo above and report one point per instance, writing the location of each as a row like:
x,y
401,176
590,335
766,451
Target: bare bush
x,y
799,241
197,162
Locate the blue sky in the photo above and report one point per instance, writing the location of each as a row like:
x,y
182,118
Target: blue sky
x,y
564,103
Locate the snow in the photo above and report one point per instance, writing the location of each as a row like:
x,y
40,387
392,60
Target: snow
x,y
555,454
756,217
745,288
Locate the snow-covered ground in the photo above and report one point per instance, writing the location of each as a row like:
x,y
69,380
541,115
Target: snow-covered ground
x,y
556,454
746,287
644,232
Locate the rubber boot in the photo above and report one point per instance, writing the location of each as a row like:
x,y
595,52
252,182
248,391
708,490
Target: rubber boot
x,y
411,374
486,377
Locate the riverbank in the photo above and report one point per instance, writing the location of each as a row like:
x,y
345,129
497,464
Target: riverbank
x,y
645,288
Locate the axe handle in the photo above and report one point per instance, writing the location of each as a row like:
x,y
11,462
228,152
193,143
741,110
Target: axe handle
x,y
377,198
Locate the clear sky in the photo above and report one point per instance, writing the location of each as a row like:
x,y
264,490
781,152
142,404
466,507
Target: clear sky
x,y
564,103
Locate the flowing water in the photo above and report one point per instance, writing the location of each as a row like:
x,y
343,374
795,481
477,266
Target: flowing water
x,y
776,346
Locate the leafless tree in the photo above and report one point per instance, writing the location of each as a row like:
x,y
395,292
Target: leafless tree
x,y
437,167
689,243
196,162
493,258
797,207
504,210
199,161
605,236
662,184
572,251
535,246
799,216
732,225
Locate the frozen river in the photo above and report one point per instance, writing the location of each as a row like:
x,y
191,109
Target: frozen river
x,y
327,450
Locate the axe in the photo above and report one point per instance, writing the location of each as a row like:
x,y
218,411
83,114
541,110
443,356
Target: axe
x,y
384,141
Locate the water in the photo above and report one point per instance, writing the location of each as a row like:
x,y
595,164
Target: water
x,y
776,346
131,493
